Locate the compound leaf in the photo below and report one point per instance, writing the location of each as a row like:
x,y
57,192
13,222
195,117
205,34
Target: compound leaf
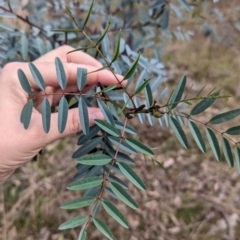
x,y
62,114
37,76
107,127
83,115
213,143
115,213
233,130
46,115
86,183
134,143
123,195
23,81
101,226
95,160
61,75
132,176
197,136
227,151
177,129
74,222
223,117
78,203
81,78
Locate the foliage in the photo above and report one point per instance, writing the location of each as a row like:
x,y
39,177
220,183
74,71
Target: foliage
x,y
105,155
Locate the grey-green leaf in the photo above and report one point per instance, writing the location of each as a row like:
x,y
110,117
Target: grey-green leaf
x,y
149,95
123,195
124,145
87,147
223,117
107,127
109,88
101,226
24,47
83,115
143,86
121,157
115,213
177,129
81,78
132,69
197,136
46,115
62,114
74,222
204,104
113,178
104,32
227,151
37,76
106,112
86,183
78,203
132,176
27,113
88,15
117,48
237,156
178,92
23,81
129,129
233,130
82,235
92,132
61,75
95,159
213,143
134,143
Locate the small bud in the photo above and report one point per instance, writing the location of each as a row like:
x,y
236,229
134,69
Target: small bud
x,y
156,113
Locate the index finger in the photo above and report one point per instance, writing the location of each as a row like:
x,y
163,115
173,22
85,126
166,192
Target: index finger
x,y
74,57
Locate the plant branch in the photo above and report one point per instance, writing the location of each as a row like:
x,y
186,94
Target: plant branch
x,y
23,19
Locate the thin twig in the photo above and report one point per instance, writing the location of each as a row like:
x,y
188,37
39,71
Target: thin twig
x,y
23,19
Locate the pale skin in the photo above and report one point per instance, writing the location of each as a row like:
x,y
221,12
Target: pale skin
x,y
17,145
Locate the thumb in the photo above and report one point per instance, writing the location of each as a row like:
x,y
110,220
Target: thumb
x,y
73,124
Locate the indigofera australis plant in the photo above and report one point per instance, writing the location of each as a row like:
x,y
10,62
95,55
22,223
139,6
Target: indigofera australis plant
x,y
107,149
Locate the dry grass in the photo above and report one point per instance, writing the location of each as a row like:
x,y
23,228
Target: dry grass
x,y
194,198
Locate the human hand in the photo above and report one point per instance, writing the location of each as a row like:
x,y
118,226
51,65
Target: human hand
x,y
18,145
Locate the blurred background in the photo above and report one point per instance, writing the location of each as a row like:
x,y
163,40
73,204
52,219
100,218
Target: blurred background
x,y
193,197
